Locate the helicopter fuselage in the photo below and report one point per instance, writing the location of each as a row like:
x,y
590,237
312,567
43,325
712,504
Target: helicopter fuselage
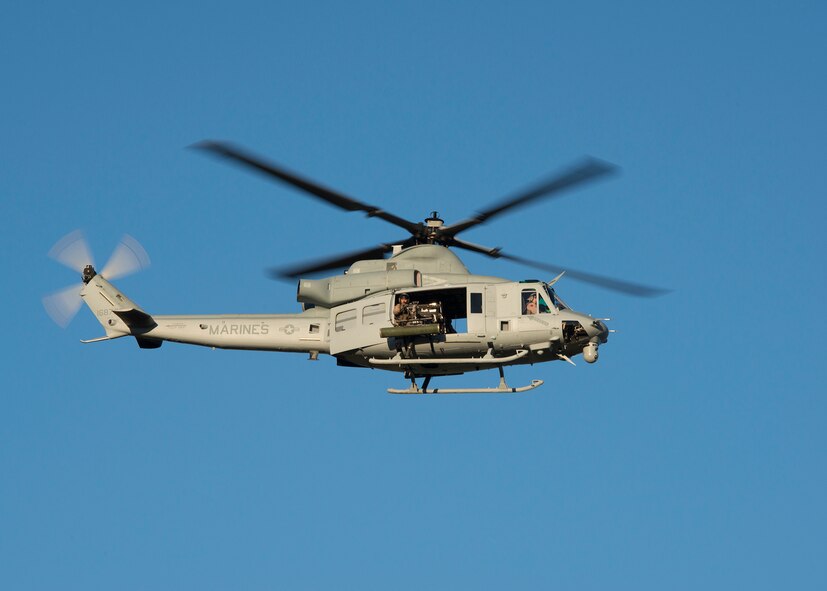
x,y
419,311
451,322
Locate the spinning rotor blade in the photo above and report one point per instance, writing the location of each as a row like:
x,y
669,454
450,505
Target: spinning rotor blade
x,y
63,305
73,251
333,197
432,231
129,256
345,260
627,287
492,252
591,168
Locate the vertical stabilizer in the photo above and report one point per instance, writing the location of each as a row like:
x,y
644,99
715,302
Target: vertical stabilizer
x,y
117,314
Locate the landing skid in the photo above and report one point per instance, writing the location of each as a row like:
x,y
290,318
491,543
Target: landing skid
x,y
503,388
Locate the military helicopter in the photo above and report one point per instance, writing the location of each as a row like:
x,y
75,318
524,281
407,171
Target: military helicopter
x,y
419,312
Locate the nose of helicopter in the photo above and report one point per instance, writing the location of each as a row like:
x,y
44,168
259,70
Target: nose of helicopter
x,y
598,329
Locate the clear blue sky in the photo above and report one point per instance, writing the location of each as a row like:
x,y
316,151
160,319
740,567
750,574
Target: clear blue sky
x,y
690,456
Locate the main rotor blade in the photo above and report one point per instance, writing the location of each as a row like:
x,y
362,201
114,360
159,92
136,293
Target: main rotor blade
x,y
307,268
627,287
128,257
587,170
73,251
64,304
276,171
486,250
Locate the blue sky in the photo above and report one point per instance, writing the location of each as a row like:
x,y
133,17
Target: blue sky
x,y
691,455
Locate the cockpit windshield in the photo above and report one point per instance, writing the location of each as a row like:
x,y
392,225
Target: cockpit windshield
x,y
555,301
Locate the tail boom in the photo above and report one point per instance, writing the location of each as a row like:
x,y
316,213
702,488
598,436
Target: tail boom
x,y
301,333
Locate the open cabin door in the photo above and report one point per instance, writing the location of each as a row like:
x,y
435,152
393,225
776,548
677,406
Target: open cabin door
x,y
445,311
356,325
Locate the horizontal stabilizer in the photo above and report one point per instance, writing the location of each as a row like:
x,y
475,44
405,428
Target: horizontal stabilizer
x,y
99,339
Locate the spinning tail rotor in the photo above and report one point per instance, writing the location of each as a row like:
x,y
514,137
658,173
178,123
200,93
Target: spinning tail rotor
x,y
73,251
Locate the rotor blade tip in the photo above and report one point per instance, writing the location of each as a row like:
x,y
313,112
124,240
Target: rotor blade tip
x,y
276,274
603,166
127,258
209,146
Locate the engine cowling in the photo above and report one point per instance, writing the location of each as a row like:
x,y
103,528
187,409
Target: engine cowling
x,y
332,291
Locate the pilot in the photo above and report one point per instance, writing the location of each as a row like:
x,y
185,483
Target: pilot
x,y
530,303
401,302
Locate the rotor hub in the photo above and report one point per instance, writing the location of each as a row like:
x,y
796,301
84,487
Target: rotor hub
x,y
434,221
431,229
88,273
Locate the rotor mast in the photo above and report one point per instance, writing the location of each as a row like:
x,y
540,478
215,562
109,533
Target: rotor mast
x,y
431,228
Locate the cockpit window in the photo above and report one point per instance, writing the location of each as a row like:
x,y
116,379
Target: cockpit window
x,y
529,301
534,302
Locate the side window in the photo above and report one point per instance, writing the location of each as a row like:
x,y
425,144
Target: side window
x,y
529,301
476,303
544,309
345,320
373,314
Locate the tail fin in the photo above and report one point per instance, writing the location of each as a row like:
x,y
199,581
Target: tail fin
x,y
118,315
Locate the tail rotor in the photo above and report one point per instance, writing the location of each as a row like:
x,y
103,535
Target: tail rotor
x,y
73,251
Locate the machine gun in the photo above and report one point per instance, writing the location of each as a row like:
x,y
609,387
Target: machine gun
x,y
416,314
415,319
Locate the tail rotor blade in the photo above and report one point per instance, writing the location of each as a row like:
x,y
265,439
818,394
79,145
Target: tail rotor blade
x,y
73,251
129,256
63,305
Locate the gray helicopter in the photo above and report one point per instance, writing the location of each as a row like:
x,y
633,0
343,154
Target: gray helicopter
x,y
419,312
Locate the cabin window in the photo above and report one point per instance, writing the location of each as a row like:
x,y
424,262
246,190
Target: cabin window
x,y
373,314
345,320
476,303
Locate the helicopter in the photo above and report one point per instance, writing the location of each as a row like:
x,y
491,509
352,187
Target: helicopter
x,y
419,312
